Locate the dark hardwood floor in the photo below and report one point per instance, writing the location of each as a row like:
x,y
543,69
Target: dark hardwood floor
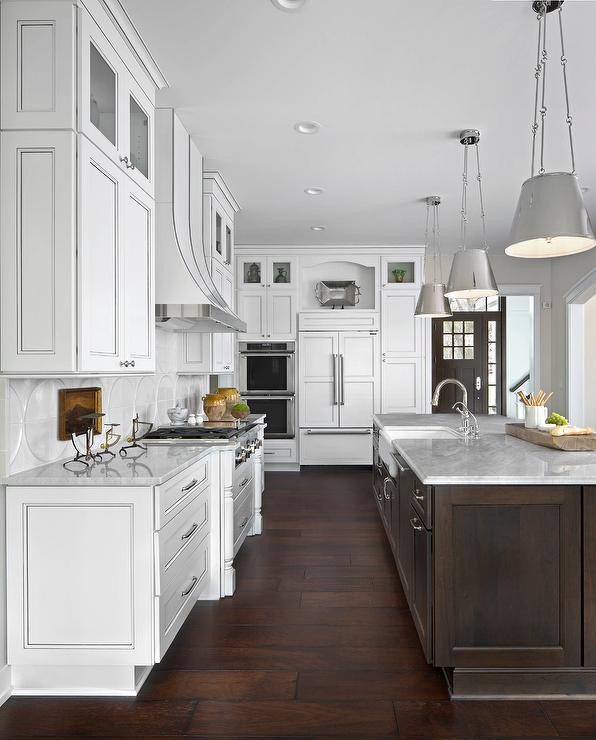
x,y
317,641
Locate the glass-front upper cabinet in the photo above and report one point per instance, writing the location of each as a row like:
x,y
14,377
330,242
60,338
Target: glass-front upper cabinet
x,y
266,272
114,111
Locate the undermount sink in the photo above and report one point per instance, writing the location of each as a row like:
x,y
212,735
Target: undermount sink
x,y
421,433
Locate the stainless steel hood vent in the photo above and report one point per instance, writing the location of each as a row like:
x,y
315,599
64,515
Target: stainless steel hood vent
x,y
186,297
196,318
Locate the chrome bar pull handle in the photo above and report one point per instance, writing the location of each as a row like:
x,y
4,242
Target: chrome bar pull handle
x,y
341,381
190,588
190,532
190,486
334,379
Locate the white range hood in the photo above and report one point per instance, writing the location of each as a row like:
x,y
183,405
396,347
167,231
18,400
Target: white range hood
x,y
186,297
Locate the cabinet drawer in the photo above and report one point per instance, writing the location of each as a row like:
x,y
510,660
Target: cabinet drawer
x,y
422,502
280,454
341,447
243,514
190,525
189,575
178,491
242,475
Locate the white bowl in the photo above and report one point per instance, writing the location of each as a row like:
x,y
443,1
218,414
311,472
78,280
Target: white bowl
x,y
177,415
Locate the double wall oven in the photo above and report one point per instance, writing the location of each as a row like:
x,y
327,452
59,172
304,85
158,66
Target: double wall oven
x,y
267,382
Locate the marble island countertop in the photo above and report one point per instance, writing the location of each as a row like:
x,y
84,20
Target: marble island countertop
x,y
495,458
152,467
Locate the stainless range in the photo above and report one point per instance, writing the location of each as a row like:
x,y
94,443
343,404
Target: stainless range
x,y
245,436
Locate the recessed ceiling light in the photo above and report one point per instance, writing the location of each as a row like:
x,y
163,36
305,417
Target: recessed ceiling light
x,y
314,191
289,5
318,228
307,127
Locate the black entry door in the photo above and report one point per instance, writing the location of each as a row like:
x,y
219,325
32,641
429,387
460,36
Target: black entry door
x,y
468,347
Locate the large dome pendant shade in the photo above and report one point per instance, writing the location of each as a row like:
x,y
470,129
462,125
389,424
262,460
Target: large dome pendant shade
x,y
551,219
432,302
471,275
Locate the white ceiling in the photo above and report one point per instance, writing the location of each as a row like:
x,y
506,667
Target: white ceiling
x,y
391,82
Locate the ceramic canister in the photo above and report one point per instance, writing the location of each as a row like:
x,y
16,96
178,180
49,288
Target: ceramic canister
x,y
214,406
232,397
535,416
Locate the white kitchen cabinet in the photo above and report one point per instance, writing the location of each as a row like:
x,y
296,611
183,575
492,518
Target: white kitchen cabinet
x,y
259,271
401,272
116,328
38,65
318,371
219,211
202,353
402,385
38,255
339,379
114,111
402,332
269,313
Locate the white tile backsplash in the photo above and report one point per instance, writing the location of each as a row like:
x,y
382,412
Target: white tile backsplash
x,y
29,432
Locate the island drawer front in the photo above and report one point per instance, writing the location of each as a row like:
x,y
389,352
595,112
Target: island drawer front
x,y
243,479
422,502
188,526
175,493
280,454
507,576
243,514
189,575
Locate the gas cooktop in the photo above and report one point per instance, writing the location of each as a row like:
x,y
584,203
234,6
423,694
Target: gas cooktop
x,y
217,430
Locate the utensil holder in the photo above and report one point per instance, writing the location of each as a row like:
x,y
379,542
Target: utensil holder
x,y
535,415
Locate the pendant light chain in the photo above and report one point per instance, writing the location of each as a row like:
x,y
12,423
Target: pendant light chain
x,y
426,242
544,58
482,213
568,118
438,246
464,197
537,75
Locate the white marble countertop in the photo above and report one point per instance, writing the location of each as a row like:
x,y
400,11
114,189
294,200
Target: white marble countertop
x,y
152,467
495,458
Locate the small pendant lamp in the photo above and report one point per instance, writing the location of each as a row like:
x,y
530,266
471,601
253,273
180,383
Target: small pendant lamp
x,y
471,274
431,301
551,219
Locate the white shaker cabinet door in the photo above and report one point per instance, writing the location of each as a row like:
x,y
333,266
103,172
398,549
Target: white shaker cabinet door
x,y
101,196
281,312
138,299
38,238
319,388
402,331
402,380
194,352
223,352
80,587
252,308
358,378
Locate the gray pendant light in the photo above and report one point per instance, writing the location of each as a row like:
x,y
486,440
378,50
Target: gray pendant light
x,y
431,301
471,274
551,219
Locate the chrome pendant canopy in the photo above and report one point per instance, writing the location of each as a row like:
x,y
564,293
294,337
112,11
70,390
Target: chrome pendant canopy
x,y
551,219
432,302
471,275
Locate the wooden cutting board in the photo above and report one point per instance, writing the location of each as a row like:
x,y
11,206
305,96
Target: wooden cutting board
x,y
580,443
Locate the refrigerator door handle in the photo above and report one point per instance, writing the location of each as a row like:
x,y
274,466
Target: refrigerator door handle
x,y
341,381
334,379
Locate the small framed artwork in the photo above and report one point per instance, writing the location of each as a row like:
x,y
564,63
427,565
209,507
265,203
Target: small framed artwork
x,y
73,403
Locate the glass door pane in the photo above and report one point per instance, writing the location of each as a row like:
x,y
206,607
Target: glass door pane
x,y
282,273
102,102
252,273
218,234
228,245
139,138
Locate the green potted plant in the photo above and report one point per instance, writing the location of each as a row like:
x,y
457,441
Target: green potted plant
x,y
240,411
398,274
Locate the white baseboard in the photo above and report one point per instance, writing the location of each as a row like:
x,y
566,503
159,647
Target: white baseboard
x,y
5,684
78,680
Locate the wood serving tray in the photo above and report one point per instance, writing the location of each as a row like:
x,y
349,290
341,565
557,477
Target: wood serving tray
x,y
579,443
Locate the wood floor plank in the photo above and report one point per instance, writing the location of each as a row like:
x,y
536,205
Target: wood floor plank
x,y
294,718
572,717
220,685
473,719
420,684
319,615
352,599
89,717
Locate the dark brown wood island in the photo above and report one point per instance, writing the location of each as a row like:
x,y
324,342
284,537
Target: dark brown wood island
x,y
495,545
